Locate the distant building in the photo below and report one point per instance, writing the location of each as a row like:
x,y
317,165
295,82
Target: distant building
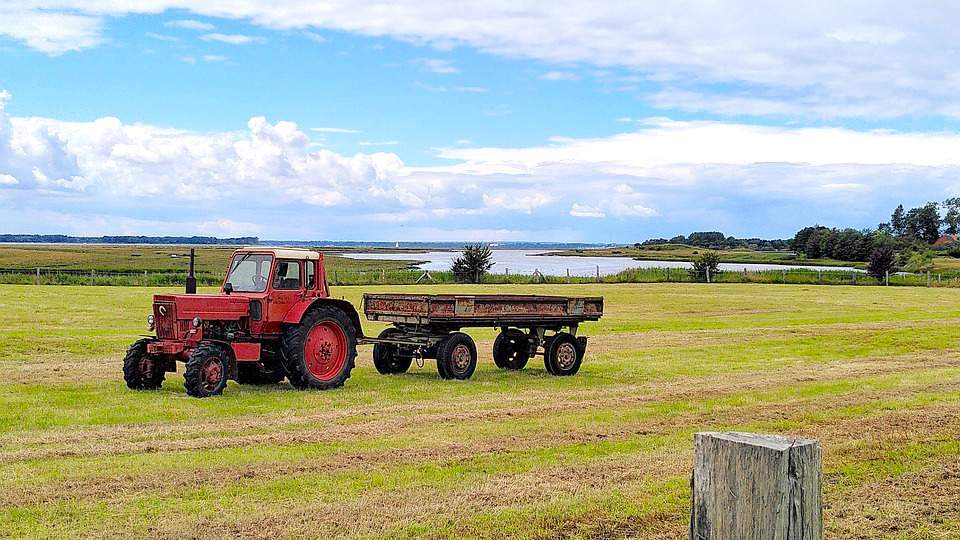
x,y
945,239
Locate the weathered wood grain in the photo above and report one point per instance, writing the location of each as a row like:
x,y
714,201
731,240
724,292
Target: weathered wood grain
x,y
747,486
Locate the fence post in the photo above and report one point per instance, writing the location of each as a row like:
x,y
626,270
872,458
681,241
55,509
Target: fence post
x,y
820,277
92,278
854,272
886,278
146,280
38,275
598,273
708,274
568,275
784,276
928,278
747,485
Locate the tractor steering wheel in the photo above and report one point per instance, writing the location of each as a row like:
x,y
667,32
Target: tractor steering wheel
x,y
259,281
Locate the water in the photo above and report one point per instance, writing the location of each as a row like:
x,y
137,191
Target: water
x,y
521,261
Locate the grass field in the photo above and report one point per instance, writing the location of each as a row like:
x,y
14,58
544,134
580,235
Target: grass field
x,y
873,373
135,258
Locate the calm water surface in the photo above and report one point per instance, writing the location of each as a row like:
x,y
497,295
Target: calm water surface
x,y
521,261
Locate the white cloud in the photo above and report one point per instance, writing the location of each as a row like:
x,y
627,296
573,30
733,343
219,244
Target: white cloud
x,y
50,32
854,58
315,37
8,180
162,37
233,39
437,65
520,200
560,76
378,143
214,58
334,130
190,24
582,210
472,89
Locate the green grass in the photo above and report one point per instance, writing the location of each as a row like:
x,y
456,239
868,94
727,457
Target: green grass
x,y
874,373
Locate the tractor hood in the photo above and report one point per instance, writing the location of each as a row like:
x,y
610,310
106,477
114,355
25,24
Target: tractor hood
x,y
209,307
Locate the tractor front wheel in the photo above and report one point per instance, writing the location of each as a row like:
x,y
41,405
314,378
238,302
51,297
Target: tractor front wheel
x,y
319,353
207,371
142,371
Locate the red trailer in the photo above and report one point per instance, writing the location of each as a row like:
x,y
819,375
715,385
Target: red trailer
x,y
428,326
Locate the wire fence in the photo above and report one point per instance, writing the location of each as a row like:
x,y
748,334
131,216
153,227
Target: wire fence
x,y
804,276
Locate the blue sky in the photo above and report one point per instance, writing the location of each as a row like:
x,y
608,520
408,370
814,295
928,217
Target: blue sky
x,y
471,121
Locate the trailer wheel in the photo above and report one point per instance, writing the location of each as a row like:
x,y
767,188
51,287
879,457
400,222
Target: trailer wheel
x,y
207,371
511,349
563,355
253,373
319,352
142,371
386,356
457,356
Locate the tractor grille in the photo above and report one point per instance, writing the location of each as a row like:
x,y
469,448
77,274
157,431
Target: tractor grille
x,y
165,315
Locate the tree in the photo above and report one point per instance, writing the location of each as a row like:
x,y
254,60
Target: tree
x,y
952,217
920,260
705,266
882,260
470,266
923,223
898,221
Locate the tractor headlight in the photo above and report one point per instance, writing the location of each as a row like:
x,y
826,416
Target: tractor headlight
x,y
151,322
196,322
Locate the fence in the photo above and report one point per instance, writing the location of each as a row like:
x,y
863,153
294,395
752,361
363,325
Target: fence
x,y
797,276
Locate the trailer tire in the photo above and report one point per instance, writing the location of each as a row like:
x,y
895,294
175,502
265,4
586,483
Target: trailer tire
x,y
142,371
386,357
253,373
457,356
511,349
207,370
563,355
319,353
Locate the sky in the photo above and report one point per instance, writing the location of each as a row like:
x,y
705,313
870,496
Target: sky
x,y
412,120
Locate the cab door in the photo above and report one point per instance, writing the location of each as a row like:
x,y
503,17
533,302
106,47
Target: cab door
x,y
286,289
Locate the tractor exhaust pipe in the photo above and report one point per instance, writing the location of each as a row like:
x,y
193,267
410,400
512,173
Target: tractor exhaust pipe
x,y
191,279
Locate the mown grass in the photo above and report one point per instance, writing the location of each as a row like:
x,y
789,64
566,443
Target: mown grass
x,y
874,373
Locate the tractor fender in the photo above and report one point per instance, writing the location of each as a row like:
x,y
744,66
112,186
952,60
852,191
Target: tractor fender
x,y
296,313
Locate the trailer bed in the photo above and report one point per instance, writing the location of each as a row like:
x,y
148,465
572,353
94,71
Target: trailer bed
x,y
459,311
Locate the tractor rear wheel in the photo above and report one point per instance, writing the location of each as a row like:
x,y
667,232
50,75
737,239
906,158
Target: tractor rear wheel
x,y
563,355
142,371
254,373
207,371
457,357
386,356
511,349
319,353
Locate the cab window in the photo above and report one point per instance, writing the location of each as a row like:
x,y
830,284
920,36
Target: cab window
x,y
288,275
311,274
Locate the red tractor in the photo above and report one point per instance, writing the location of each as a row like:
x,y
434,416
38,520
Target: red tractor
x,y
273,319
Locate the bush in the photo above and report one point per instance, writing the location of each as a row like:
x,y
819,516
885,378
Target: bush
x,y
882,260
471,266
705,267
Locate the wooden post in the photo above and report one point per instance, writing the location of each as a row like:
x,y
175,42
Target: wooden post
x,y
93,278
336,277
886,278
708,275
568,275
820,276
146,280
746,485
928,278
598,273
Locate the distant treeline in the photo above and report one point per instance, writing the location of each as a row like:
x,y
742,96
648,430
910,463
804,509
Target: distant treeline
x,y
718,240
64,239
